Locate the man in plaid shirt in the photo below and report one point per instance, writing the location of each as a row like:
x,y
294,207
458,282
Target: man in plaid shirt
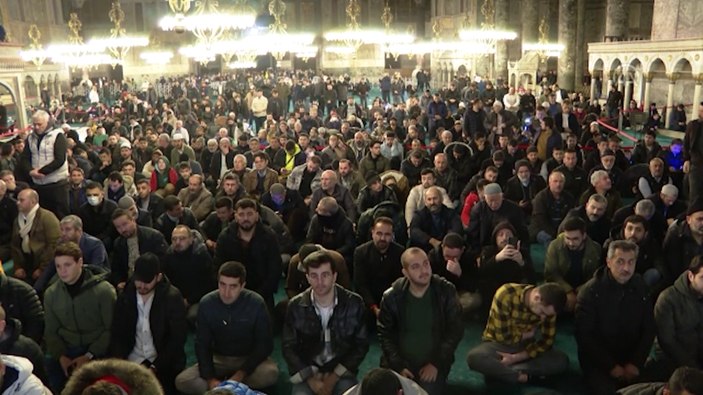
x,y
517,342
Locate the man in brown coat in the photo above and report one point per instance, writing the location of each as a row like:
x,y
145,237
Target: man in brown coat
x,y
34,236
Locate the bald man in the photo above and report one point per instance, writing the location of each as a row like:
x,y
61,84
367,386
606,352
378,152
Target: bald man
x,y
330,186
34,237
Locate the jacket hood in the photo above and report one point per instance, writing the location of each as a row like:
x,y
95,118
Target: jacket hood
x,y
683,286
139,379
21,365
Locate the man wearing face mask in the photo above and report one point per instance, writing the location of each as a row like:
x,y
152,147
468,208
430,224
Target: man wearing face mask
x,y
523,187
96,214
46,157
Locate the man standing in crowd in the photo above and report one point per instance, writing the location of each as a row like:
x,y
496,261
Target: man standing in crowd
x,y
46,161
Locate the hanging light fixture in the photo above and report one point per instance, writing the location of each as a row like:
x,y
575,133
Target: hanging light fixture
x,y
487,35
119,43
352,37
179,8
208,23
278,40
156,57
394,44
36,53
75,53
543,48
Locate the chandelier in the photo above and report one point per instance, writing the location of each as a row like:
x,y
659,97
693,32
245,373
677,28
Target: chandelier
x,y
543,48
156,57
277,40
487,36
352,37
75,53
36,53
207,22
119,43
394,44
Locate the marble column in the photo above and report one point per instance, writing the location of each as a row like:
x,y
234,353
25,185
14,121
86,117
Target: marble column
x,y
669,101
581,48
530,21
628,94
647,90
592,93
501,56
616,19
696,97
567,37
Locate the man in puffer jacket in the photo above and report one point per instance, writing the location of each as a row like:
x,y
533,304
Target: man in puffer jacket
x,y
17,377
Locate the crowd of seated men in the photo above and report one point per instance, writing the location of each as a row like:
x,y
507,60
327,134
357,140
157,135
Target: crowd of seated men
x,y
180,211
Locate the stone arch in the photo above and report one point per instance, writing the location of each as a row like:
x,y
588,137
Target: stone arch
x,y
598,65
682,66
656,66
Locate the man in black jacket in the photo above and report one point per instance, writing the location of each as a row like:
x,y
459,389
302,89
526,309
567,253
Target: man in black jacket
x,y
175,214
96,214
249,241
233,337
21,302
8,213
13,342
188,266
331,228
150,319
377,264
430,224
593,213
523,187
457,265
575,177
133,241
549,208
147,200
324,337
614,322
489,212
421,345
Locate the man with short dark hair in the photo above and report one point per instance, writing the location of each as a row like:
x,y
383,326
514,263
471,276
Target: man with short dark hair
x,y
419,326
260,179
684,381
188,265
615,325
217,221
571,259
575,177
175,214
148,200
377,264
679,318
234,340
79,312
593,214
385,381
133,241
684,241
457,265
550,207
249,241
96,214
332,229
324,337
518,339
150,319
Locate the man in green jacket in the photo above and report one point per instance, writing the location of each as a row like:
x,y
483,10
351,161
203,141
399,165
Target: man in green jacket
x,y
78,315
571,259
